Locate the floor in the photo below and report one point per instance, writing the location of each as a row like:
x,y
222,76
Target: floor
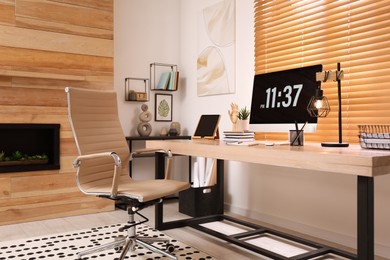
x,y
203,242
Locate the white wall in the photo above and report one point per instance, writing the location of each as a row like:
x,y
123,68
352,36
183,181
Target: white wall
x,y
144,32
193,106
317,203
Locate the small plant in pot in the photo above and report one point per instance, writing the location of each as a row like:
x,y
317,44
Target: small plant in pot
x,y
243,113
243,116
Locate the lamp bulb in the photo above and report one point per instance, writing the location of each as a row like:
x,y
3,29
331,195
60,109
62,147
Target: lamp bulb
x,y
318,104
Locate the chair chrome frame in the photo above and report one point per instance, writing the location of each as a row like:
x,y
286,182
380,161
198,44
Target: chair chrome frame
x,y
129,242
102,147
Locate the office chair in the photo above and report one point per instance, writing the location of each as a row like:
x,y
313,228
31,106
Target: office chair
x,y
102,166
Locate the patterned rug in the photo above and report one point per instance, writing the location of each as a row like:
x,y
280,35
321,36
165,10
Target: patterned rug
x,y
67,245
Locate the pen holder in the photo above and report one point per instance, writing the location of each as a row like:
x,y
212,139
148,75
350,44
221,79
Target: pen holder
x,y
294,140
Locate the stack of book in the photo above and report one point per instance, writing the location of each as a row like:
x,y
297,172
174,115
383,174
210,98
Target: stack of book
x,y
238,136
168,81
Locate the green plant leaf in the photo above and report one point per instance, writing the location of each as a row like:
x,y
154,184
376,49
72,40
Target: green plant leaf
x,y
243,113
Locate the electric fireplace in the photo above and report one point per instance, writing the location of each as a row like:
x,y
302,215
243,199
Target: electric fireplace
x,y
29,147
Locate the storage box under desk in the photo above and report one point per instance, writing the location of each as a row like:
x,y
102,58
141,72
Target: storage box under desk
x,y
199,202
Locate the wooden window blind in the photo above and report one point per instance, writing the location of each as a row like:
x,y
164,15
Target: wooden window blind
x,y
291,34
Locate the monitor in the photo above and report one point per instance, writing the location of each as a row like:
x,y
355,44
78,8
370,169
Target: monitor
x,y
279,99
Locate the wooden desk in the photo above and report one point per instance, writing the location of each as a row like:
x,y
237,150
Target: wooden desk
x,y
365,164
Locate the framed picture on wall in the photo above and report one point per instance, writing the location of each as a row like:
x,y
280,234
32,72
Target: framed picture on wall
x,y
163,107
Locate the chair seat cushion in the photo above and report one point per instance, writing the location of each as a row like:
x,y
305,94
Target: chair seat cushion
x,y
141,190
147,190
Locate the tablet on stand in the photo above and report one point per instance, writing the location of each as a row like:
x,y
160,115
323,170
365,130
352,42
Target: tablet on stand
x,y
207,127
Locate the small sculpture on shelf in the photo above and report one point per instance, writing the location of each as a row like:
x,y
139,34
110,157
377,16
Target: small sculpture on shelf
x,y
164,131
174,129
144,128
233,114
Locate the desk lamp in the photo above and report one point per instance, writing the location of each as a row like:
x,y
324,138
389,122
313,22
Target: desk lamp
x,y
319,106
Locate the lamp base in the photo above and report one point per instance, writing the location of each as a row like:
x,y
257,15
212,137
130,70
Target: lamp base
x,y
334,144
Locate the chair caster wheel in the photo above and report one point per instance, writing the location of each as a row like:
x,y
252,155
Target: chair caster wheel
x,y
170,248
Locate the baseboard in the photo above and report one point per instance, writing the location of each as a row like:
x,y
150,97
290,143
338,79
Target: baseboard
x,y
341,239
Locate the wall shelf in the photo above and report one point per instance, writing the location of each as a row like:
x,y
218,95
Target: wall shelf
x,y
163,77
136,89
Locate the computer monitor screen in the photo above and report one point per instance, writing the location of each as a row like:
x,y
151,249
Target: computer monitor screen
x,y
279,99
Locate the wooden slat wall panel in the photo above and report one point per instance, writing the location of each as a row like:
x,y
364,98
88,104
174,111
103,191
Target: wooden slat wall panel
x,y
30,23
32,97
18,73
55,42
8,2
5,81
7,13
65,13
5,188
102,4
44,47
54,62
33,173
92,82
44,185
60,205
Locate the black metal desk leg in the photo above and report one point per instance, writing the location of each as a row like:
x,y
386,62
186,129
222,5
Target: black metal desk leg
x,y
220,183
365,218
130,144
159,174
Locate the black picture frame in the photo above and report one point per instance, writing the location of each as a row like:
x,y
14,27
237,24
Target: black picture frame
x,y
163,107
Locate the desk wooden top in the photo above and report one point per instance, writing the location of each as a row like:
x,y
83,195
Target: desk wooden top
x,y
352,160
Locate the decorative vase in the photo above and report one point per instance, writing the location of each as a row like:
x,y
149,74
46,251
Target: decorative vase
x,y
176,126
163,132
172,132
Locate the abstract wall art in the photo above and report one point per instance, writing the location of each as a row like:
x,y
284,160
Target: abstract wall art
x,y
216,49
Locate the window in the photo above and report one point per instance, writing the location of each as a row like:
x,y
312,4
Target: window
x,y
290,34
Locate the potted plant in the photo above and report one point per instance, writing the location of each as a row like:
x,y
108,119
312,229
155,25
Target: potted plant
x,y
243,117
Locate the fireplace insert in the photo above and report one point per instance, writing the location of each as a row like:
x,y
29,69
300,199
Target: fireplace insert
x,y
29,147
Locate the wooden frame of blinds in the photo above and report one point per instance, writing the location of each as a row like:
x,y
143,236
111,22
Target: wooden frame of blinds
x,y
290,34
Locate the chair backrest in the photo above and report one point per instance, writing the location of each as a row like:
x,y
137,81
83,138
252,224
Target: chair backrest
x,y
93,115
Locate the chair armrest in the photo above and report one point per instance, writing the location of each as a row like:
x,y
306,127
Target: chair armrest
x,y
117,159
117,165
152,152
